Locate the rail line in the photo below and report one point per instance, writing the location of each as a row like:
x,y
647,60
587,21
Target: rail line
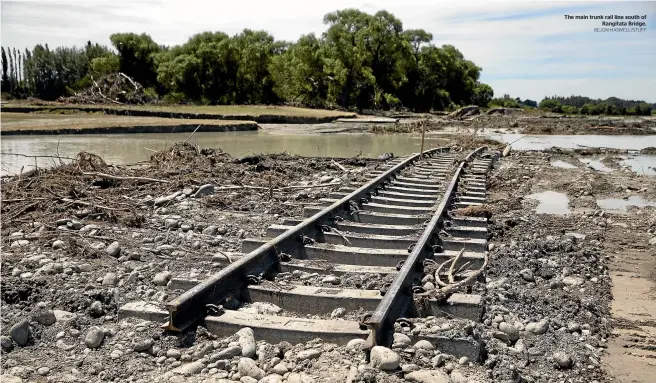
x,y
358,263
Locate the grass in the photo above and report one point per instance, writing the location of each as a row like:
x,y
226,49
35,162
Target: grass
x,y
48,121
225,110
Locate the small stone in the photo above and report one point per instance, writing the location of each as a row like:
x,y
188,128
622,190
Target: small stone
x,y
401,340
19,243
94,337
280,368
170,223
6,343
246,340
162,278
331,279
275,378
428,376
187,191
74,225
424,345
309,354
652,242
226,354
189,369
527,275
563,360
64,316
325,179
510,330
142,345
45,317
538,328
20,332
409,368
210,230
438,360
573,281
384,358
114,249
173,353
110,279
58,244
204,190
574,327
96,309
338,312
355,344
248,367
463,361
43,371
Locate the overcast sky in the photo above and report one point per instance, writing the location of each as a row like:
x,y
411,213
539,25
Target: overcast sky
x,y
526,49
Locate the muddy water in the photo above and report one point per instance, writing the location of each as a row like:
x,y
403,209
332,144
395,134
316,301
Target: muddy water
x,y
551,202
131,148
619,204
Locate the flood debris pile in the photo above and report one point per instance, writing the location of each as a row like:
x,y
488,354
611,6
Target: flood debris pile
x,y
114,88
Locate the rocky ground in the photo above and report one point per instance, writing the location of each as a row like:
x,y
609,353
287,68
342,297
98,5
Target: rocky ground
x,y
68,266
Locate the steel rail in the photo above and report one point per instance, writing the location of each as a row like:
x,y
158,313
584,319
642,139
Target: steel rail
x,y
398,297
190,307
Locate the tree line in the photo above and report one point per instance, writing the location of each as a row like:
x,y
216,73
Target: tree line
x,y
362,61
587,106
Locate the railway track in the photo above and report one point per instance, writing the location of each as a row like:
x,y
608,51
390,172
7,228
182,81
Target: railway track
x,y
362,264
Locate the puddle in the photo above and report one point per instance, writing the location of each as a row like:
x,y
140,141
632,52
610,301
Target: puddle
x,y
620,204
562,164
596,164
642,164
551,202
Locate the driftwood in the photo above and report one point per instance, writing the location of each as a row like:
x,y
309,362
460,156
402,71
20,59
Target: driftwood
x,y
449,288
104,175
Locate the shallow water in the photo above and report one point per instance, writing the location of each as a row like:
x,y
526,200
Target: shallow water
x,y
541,142
551,202
641,164
131,148
562,164
620,204
596,164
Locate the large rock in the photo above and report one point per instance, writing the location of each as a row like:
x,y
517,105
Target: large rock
x,y
20,332
248,367
428,376
94,337
246,340
384,358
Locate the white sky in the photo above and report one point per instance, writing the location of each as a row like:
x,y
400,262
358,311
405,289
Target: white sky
x,y
526,49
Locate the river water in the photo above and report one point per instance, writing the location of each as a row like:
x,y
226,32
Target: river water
x,y
132,148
